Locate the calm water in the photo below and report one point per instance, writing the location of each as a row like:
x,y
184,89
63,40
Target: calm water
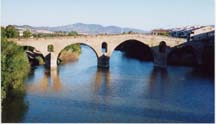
x,y
130,91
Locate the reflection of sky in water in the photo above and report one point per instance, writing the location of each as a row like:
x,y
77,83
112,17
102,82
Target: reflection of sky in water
x,y
130,91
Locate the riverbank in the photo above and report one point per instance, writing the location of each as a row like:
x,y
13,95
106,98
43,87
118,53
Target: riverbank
x,y
69,55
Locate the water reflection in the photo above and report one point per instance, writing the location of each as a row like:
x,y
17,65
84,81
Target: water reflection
x,y
102,86
102,82
158,81
14,109
49,81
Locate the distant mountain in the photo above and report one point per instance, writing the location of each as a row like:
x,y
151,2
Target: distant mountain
x,y
85,28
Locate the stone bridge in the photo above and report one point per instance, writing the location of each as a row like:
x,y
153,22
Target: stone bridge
x,y
96,41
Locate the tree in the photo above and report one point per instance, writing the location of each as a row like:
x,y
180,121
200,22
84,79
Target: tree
x,y
130,32
72,33
27,34
3,32
14,68
11,32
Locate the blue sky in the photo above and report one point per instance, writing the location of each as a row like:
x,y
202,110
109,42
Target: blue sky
x,y
142,14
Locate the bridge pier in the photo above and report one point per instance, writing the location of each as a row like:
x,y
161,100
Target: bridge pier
x,y
51,61
160,55
103,61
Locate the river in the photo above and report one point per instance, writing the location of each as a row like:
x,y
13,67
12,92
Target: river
x,y
130,91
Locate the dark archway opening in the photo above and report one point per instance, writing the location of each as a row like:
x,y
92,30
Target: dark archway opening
x,y
136,50
35,57
184,56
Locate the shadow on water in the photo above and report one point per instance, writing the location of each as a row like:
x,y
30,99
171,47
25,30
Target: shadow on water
x,y
14,109
198,72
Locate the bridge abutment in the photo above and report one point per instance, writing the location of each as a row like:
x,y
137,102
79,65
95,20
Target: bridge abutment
x,y
103,61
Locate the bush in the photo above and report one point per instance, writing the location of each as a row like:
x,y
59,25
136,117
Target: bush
x,y
14,68
3,32
74,48
27,34
72,33
11,32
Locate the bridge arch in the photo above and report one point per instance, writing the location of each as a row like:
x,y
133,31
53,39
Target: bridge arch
x,y
80,43
135,49
33,48
35,57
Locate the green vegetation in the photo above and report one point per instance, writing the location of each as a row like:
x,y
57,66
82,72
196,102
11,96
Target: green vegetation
x,y
3,32
73,33
40,60
50,48
129,32
56,34
73,48
40,35
14,67
27,34
16,106
164,34
9,32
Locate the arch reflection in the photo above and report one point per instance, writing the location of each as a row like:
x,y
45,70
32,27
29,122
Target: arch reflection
x,y
102,82
50,81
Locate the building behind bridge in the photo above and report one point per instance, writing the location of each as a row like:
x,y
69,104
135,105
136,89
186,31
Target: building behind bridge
x,y
194,33
160,32
183,32
205,33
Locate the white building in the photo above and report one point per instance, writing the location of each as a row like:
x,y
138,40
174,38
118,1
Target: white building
x,y
183,32
203,33
36,31
21,30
